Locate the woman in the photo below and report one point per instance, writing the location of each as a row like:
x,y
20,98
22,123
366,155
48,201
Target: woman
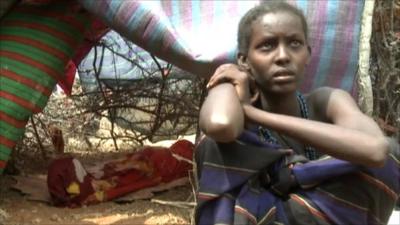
x,y
259,96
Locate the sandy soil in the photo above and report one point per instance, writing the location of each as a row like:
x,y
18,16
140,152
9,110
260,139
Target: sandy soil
x,y
16,209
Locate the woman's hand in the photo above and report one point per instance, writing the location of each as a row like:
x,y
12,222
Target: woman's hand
x,y
239,79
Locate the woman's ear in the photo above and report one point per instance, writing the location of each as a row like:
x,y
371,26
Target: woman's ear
x,y
309,54
242,61
254,96
254,91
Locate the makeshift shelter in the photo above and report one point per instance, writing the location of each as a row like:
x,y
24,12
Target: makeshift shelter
x,y
172,30
39,38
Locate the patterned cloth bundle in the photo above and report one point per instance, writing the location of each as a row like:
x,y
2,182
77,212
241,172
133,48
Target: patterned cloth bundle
x,y
246,182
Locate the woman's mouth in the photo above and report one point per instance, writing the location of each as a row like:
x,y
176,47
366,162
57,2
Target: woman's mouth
x,y
283,76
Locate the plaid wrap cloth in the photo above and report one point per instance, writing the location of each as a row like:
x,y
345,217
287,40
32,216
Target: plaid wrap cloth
x,y
237,182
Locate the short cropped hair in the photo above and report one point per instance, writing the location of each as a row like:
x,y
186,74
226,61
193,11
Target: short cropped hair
x,y
244,30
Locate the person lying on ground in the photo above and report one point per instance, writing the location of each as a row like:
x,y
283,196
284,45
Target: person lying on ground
x,y
71,185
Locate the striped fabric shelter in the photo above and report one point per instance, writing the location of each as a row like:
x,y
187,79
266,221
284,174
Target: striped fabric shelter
x,y
37,41
198,35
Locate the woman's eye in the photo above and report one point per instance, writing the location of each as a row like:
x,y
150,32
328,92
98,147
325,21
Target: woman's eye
x,y
295,44
268,46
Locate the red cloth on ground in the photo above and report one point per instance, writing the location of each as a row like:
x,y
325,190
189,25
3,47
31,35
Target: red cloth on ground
x,y
61,173
146,168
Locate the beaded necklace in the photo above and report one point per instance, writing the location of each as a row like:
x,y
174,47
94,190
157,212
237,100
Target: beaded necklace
x,y
266,135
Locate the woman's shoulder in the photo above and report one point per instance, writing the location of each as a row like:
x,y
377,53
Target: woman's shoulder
x,y
324,95
322,91
320,98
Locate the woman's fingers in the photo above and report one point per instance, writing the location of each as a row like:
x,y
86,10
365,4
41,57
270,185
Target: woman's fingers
x,y
215,79
225,73
232,74
220,76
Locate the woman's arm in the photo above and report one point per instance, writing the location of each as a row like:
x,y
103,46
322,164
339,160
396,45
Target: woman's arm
x,y
352,136
221,115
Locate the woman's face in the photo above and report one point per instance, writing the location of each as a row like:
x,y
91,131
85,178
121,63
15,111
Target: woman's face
x,y
278,52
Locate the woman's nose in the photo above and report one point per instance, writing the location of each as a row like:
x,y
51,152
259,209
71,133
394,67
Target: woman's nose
x,y
282,55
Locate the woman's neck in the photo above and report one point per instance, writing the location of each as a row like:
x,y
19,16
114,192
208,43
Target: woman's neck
x,y
282,104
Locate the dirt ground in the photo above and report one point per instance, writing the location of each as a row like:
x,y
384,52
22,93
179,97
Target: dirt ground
x,y
16,209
